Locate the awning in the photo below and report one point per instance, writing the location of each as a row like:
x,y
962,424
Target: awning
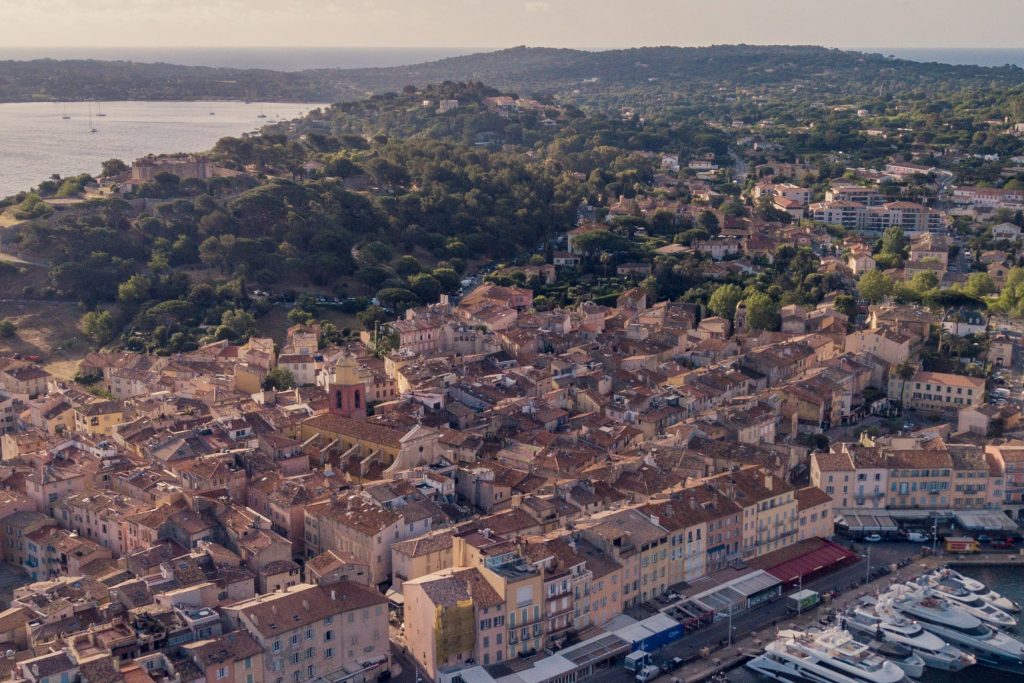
x,y
735,594
824,556
864,523
985,520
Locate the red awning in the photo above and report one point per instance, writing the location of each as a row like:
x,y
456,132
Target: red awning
x,y
827,555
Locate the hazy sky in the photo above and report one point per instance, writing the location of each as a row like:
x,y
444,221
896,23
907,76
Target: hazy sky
x,y
502,23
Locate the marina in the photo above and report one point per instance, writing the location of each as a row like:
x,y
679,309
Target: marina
x,y
901,619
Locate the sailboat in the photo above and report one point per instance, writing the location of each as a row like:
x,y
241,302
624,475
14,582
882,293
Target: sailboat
x,y
98,112
65,114
91,129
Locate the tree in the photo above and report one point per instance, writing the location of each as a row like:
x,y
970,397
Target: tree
x,y
709,221
371,317
762,312
894,241
99,326
979,284
846,305
279,379
874,286
7,329
905,371
236,325
112,167
299,316
426,287
724,299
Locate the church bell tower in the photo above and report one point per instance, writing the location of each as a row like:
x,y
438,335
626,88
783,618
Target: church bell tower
x,y
346,393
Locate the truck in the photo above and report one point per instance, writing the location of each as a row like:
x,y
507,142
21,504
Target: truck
x,y
636,661
801,601
961,544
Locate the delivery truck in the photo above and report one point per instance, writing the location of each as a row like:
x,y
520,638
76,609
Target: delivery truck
x,y
801,601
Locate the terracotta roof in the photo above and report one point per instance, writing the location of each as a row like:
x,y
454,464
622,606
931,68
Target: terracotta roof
x,y
304,604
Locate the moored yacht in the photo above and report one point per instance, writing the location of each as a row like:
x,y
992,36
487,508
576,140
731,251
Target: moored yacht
x,y
954,579
900,655
949,621
866,621
828,656
969,602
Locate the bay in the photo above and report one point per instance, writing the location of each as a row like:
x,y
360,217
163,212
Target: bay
x,y
36,141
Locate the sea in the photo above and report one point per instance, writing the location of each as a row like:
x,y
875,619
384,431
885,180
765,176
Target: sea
x,y
37,141
1006,580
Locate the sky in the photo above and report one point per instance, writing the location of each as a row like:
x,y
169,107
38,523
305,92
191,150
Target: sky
x,y
505,23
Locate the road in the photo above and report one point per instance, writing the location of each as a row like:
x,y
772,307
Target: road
x,y
743,623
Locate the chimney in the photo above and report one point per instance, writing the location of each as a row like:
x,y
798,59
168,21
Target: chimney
x,y
693,503
305,605
334,595
655,520
768,481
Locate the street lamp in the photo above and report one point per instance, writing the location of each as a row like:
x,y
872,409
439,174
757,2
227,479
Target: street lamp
x,y
732,606
867,571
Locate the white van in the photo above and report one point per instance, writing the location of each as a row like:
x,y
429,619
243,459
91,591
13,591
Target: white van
x,y
648,673
916,537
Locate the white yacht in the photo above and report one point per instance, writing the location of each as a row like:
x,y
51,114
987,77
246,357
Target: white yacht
x,y
828,656
954,579
949,621
969,602
867,621
900,655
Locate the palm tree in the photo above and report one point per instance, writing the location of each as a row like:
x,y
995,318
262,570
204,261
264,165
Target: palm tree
x,y
905,370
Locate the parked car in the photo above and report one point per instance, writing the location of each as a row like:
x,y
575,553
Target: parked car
x,y
984,538
672,664
917,537
1001,545
872,538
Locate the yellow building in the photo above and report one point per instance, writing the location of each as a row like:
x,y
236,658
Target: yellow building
x,y
420,556
98,418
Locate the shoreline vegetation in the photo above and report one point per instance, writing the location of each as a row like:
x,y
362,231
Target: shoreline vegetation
x,y
578,75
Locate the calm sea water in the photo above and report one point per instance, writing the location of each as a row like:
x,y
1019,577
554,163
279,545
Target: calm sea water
x,y
1006,580
37,142
976,56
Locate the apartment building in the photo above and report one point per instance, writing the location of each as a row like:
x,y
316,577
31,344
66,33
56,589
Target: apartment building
x,y
937,391
354,524
909,473
911,217
640,545
453,616
309,632
770,517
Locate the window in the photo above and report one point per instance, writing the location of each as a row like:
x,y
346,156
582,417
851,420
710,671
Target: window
x,y
277,646
328,620
309,653
295,658
328,636
295,639
328,653
309,634
222,673
310,670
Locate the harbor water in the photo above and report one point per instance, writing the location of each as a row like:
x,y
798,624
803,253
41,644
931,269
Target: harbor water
x,y
1009,581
